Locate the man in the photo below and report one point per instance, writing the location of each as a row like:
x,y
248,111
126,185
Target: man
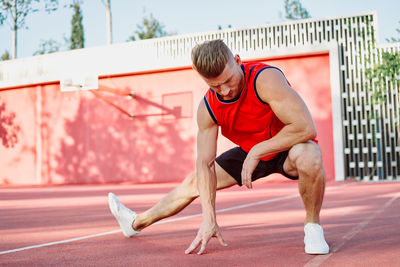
x,y
256,108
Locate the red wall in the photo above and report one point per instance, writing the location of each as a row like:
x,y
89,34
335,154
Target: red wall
x,y
77,138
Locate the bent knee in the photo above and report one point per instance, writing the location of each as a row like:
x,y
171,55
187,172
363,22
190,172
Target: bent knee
x,y
307,158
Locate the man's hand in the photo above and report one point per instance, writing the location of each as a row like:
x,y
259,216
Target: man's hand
x,y
249,165
206,231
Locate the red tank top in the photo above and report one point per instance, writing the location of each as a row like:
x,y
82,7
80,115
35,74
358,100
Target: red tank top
x,y
245,120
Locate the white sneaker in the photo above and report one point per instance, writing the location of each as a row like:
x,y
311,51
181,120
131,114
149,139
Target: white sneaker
x,y
124,216
314,239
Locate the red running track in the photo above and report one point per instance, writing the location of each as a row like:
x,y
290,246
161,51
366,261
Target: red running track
x,y
262,226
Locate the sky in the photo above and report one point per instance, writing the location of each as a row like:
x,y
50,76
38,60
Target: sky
x,y
183,17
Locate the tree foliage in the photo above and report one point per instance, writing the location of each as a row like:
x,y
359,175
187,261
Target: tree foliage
x,y
150,28
3,14
381,78
16,11
47,47
220,27
5,56
393,39
387,70
77,39
294,10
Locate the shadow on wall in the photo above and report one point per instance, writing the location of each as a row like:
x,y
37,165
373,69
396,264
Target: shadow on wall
x,y
8,130
102,145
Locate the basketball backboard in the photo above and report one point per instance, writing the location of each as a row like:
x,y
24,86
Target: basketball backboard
x,y
77,82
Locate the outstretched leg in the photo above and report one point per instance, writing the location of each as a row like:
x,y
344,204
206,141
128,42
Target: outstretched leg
x,y
305,161
179,198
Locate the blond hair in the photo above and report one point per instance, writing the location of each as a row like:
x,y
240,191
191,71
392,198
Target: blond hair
x,y
210,58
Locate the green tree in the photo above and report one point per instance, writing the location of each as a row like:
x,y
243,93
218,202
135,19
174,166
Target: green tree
x,y
387,70
150,28
393,39
220,27
5,56
77,36
47,47
15,12
294,10
2,14
381,78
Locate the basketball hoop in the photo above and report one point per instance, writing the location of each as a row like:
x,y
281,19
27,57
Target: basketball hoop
x,y
79,83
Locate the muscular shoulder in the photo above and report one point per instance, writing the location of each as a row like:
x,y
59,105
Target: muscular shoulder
x,y
204,120
271,84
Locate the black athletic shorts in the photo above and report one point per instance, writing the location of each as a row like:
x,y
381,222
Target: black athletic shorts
x,y
232,161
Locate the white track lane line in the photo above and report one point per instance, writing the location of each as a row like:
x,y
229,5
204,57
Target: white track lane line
x,y
318,260
165,221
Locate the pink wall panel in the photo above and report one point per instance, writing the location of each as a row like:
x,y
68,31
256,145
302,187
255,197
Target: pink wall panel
x,y
97,143
85,140
17,137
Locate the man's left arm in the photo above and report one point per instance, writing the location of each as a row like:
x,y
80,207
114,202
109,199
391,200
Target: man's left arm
x,y
273,88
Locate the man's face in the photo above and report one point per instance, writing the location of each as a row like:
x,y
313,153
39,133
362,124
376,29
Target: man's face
x,y
229,83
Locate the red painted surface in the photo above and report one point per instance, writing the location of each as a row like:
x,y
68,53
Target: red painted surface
x,y
51,137
360,223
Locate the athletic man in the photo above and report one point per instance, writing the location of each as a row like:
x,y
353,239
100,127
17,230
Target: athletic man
x,y
256,108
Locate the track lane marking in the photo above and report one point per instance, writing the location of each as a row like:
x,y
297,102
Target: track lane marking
x,y
318,260
165,221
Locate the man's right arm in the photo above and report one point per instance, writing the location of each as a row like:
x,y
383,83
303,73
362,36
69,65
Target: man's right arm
x,y
205,169
206,178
